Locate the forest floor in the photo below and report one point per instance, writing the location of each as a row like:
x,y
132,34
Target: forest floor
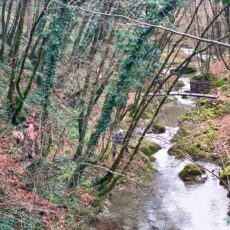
x,y
18,203
45,205
26,207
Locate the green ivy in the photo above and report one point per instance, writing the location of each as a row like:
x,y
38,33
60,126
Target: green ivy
x,y
224,1
136,46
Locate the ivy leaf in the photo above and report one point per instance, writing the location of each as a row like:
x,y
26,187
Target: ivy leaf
x,y
224,1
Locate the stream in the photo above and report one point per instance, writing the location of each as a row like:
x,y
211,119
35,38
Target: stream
x,y
173,205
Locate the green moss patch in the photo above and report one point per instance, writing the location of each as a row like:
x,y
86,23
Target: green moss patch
x,y
192,172
174,151
225,173
203,77
157,128
149,147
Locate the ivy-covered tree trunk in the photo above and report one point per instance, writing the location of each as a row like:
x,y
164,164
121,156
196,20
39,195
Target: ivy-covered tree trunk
x,y
57,32
109,175
112,100
107,182
115,98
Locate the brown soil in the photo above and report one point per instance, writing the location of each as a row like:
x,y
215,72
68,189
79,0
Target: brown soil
x,y
15,196
223,134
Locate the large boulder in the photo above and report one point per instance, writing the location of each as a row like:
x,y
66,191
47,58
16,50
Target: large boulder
x,y
203,77
193,173
149,147
201,83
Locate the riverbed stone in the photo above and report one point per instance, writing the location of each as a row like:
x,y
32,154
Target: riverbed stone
x,y
175,151
196,152
183,70
157,128
203,77
149,147
193,173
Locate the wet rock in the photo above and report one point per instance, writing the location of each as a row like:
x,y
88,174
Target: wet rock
x,y
174,151
188,70
154,228
214,156
158,128
196,152
201,83
201,179
228,213
149,147
225,173
203,77
184,70
151,158
228,195
193,173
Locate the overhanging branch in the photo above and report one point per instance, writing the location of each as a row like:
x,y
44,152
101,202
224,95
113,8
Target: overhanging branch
x,y
147,25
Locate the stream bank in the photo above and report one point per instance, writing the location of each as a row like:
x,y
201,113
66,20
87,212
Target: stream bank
x,y
168,203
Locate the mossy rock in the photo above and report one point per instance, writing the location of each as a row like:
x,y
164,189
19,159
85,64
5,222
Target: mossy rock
x,y
225,173
215,157
196,152
149,147
203,77
158,128
184,70
175,151
147,115
193,173
151,158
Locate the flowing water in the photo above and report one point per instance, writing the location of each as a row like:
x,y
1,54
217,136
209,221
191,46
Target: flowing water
x,y
173,204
